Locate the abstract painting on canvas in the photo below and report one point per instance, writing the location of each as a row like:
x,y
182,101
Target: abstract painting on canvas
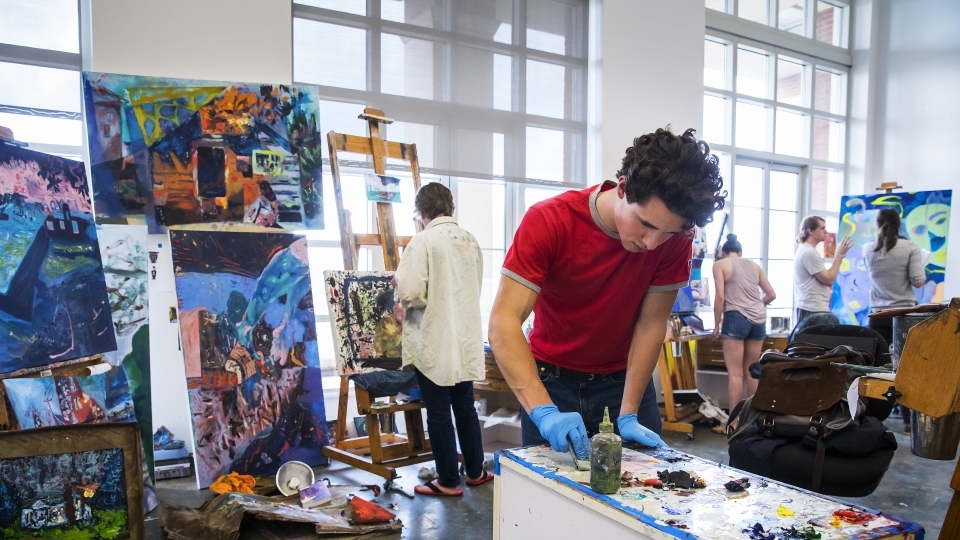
x,y
67,495
366,320
250,349
53,299
182,151
924,219
123,249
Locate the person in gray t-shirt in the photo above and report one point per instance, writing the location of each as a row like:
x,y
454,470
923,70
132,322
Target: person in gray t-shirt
x,y
812,280
896,266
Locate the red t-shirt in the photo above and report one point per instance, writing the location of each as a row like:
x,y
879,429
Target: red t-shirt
x,y
590,287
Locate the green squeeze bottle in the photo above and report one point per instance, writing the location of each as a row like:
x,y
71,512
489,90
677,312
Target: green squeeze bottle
x,y
606,452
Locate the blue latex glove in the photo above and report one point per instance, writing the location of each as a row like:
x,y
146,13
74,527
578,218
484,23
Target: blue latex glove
x,y
555,426
631,430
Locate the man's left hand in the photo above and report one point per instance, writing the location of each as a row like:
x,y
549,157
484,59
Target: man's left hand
x,y
631,430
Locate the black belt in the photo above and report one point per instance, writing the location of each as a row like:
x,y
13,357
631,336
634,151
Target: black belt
x,y
565,373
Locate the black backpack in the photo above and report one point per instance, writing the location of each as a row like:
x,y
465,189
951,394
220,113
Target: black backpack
x,y
801,397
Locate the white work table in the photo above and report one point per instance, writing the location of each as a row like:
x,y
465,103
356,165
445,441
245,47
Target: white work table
x,y
538,494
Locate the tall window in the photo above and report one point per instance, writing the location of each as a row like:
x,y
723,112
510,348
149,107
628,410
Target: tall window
x,y
493,93
826,21
40,74
777,120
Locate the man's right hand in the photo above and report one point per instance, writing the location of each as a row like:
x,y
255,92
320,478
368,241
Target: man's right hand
x,y
556,426
843,247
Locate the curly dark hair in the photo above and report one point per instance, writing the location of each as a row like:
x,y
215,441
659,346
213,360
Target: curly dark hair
x,y
680,171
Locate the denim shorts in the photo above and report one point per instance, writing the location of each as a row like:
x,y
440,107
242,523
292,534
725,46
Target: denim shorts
x,y
736,326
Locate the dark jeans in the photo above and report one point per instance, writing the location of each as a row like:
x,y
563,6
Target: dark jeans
x,y
438,401
589,398
801,313
884,327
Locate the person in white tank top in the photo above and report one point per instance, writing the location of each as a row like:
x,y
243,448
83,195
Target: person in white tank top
x,y
740,313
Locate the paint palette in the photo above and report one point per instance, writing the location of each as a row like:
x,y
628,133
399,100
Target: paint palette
x,y
715,512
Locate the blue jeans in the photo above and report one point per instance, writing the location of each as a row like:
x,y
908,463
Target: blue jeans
x,y
438,400
736,326
589,398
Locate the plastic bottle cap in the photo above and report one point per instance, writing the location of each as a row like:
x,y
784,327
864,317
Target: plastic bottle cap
x,y
293,483
606,426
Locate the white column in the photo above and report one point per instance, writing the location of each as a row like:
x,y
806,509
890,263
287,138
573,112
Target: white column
x,y
652,72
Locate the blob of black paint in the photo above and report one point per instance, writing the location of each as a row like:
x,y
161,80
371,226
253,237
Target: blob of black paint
x,y
680,479
737,485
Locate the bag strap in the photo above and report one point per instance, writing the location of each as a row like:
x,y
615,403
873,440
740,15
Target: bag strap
x,y
735,414
818,465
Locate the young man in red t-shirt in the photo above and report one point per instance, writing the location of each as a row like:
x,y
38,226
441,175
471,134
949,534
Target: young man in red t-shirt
x,y
600,268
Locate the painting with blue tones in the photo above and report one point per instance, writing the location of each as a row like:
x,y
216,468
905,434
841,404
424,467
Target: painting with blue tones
x,y
53,299
925,220
77,495
250,349
66,399
182,151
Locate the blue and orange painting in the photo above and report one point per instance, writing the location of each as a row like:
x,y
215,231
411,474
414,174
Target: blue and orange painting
x,y
179,151
250,349
53,297
924,220
80,495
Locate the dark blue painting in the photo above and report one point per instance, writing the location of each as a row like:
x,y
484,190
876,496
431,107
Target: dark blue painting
x,y
250,349
80,495
53,298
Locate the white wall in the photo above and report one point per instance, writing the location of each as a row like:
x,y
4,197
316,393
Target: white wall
x,y
651,52
913,58
239,40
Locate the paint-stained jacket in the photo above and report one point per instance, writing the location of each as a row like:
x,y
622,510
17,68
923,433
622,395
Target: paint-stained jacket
x,y
439,281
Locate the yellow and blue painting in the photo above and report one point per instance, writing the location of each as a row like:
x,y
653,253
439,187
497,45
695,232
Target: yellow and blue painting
x,y
925,220
183,151
53,298
80,495
250,349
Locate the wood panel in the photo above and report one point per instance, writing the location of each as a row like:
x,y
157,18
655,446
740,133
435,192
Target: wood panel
x,y
929,373
83,438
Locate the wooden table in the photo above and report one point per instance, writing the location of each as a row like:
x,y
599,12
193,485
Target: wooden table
x,y
538,494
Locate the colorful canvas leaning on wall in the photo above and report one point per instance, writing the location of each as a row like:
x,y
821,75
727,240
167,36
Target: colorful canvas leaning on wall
x,y
53,299
250,347
925,220
67,400
181,151
366,320
123,250
70,495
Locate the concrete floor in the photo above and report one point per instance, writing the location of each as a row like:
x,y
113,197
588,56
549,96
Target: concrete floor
x,y
913,488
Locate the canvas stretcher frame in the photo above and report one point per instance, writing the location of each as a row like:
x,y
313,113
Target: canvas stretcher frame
x,y
86,438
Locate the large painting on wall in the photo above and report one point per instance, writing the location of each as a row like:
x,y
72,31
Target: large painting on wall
x,y
925,220
250,347
366,320
53,299
182,151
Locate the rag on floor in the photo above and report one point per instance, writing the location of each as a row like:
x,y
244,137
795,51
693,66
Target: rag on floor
x,y
233,483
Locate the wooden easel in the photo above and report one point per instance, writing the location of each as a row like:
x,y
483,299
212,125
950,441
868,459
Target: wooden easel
x,y
682,377
387,451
